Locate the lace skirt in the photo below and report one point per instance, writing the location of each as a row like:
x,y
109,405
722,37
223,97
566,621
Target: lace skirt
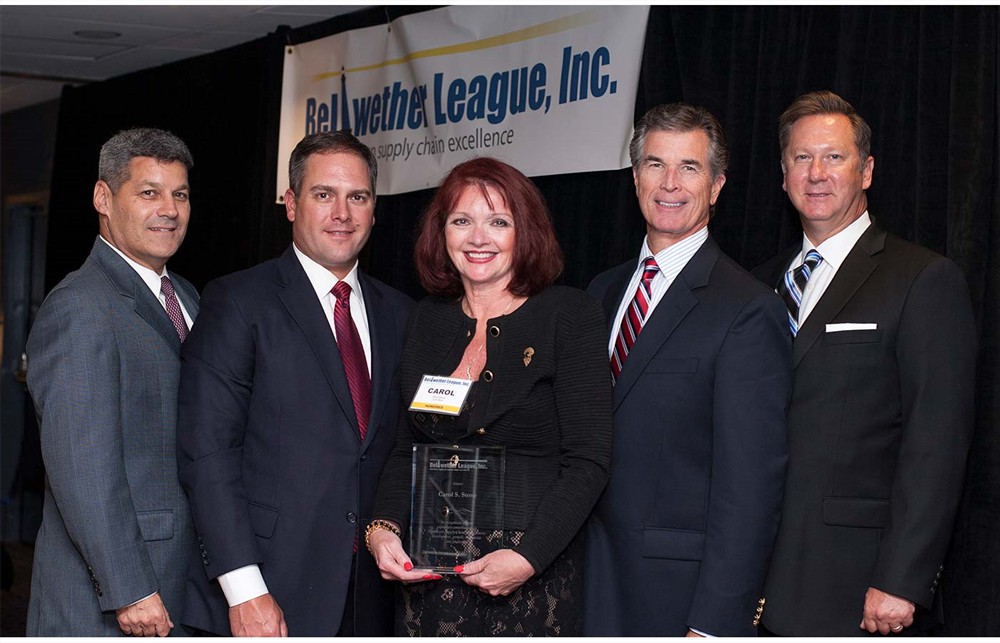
x,y
546,605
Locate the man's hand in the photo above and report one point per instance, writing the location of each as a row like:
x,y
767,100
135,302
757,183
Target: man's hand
x,y
885,613
259,616
148,617
498,573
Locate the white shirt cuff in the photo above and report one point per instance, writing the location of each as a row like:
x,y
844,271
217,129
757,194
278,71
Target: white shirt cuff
x,y
711,636
138,601
243,584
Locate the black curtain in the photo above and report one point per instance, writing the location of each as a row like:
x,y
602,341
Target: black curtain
x,y
925,78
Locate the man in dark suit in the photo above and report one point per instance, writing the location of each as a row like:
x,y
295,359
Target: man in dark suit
x,y
700,356
104,365
288,409
881,412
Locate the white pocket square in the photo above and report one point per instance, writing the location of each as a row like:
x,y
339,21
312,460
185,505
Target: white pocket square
x,y
839,328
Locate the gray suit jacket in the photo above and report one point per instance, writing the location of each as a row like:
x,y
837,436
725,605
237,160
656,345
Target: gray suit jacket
x,y
104,365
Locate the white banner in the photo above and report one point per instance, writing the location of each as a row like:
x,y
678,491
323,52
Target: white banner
x,y
550,90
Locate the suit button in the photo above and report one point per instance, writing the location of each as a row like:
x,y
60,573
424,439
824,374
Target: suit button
x,y
364,457
207,561
351,517
481,431
487,376
495,331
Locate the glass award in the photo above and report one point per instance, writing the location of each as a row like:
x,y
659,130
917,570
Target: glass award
x,y
456,511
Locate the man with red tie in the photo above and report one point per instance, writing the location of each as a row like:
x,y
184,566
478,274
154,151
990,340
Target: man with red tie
x,y
288,410
700,358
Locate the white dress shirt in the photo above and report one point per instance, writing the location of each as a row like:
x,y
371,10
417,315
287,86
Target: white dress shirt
x,y
671,261
834,250
246,583
152,280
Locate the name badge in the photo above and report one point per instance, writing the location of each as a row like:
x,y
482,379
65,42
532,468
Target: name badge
x,y
444,395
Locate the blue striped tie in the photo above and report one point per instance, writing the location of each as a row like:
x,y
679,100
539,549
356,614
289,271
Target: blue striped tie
x,y
794,284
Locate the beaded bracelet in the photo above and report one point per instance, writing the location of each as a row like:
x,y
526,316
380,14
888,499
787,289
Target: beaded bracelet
x,y
379,524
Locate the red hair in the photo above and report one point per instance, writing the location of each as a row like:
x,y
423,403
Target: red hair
x,y
537,260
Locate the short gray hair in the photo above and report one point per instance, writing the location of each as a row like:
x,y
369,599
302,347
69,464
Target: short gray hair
x,y
681,117
119,150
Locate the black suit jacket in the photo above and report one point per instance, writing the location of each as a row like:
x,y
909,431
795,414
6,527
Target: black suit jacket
x,y
879,431
551,411
682,534
269,450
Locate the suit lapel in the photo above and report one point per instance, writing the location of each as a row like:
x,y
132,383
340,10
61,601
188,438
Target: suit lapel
x,y
299,299
857,267
676,303
188,296
131,286
382,332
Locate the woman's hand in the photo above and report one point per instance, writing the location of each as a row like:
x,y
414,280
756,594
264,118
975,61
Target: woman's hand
x,y
392,561
498,573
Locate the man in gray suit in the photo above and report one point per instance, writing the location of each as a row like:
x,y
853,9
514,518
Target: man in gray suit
x,y
104,363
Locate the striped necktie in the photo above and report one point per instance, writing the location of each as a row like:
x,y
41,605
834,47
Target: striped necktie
x,y
634,318
794,284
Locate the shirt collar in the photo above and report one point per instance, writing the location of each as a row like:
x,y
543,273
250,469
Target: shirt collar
x,y
676,254
150,278
835,249
322,280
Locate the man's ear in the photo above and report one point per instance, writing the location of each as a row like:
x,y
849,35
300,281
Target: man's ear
x,y
290,204
102,198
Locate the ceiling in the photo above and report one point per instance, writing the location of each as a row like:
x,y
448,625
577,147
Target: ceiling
x,y
45,47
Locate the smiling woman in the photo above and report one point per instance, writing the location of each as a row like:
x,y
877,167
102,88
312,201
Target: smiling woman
x,y
540,388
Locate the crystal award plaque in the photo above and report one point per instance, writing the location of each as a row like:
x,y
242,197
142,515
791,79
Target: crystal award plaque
x,y
456,512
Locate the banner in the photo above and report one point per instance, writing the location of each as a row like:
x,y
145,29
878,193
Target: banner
x,y
550,90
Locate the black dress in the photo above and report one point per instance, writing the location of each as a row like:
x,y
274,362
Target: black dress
x,y
544,394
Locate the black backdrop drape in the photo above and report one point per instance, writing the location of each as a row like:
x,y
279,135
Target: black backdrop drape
x,y
925,78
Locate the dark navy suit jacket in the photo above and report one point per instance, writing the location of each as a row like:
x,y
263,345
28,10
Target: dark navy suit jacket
x,y
269,449
681,536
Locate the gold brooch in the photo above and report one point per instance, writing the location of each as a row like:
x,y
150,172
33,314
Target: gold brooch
x,y
528,352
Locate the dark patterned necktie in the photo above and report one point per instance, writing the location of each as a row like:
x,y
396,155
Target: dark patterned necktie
x,y
794,284
352,354
173,308
633,319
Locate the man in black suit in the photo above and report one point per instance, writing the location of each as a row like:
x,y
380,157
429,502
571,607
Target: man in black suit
x,y
881,412
288,407
678,543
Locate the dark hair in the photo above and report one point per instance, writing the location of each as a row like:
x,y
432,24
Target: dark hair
x,y
119,150
328,143
537,260
681,117
824,102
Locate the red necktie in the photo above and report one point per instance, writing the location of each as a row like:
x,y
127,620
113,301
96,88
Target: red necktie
x,y
173,308
634,318
352,354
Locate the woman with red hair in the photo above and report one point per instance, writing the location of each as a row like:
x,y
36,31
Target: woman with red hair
x,y
536,357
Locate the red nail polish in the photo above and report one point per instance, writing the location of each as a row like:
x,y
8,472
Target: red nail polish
x,y
459,568
428,576
407,566
438,576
